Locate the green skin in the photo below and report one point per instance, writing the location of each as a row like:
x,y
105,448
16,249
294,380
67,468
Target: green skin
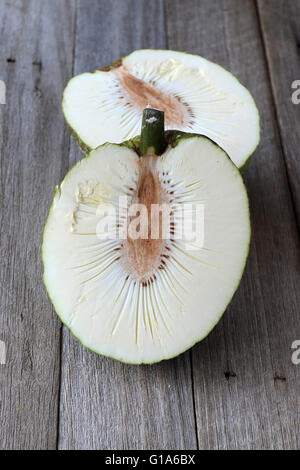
x,y
160,140
86,149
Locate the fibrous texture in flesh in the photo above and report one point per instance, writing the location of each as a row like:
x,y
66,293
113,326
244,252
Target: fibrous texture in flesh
x,y
196,95
141,301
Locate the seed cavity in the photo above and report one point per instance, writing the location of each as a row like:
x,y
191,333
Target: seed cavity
x,y
142,94
144,254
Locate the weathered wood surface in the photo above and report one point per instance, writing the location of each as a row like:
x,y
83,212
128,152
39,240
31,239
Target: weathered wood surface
x,y
35,63
281,34
245,383
238,388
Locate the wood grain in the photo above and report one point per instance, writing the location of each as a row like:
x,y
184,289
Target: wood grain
x,y
245,383
246,389
35,62
105,404
280,22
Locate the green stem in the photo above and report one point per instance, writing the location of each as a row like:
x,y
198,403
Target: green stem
x,y
153,132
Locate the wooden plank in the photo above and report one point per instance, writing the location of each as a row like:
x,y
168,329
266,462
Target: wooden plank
x,y
280,21
35,62
245,383
106,404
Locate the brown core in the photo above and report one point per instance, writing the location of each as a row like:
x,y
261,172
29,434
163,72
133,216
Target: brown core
x,y
144,253
143,94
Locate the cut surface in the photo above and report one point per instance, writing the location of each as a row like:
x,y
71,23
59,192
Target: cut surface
x,y
143,255
142,301
196,95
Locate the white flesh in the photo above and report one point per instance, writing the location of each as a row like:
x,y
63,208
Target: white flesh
x,y
88,281
99,110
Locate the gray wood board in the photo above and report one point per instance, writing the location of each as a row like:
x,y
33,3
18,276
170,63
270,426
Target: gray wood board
x,y
280,23
35,62
246,385
106,404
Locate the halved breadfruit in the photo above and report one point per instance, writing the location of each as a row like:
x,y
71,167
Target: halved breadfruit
x,y
196,95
